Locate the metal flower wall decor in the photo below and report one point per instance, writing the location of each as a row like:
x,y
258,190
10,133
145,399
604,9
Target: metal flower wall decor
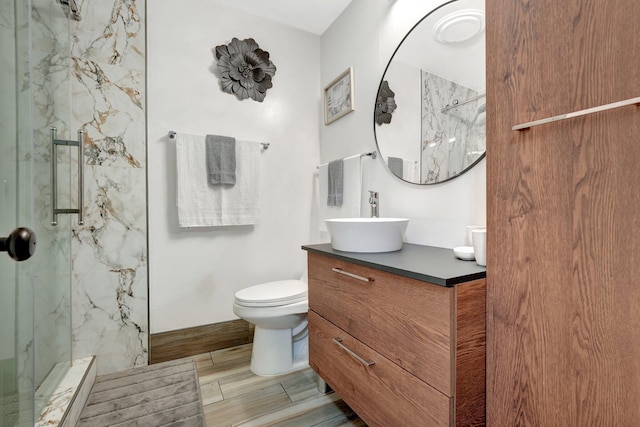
x,y
245,69
385,104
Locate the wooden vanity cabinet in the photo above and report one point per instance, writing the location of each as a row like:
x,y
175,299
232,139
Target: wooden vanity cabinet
x,y
398,351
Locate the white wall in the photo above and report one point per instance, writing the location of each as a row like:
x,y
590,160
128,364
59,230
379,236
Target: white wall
x,y
365,37
193,274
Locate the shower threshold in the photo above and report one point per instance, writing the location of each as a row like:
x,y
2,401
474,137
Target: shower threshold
x,y
65,404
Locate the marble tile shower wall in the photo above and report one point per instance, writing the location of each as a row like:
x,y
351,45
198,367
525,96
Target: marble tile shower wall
x,y
109,252
450,141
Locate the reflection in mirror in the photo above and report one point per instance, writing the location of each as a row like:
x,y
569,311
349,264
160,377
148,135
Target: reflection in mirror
x,y
429,119
385,104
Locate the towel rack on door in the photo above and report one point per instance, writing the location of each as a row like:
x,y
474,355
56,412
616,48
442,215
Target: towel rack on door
x,y
579,113
55,142
265,145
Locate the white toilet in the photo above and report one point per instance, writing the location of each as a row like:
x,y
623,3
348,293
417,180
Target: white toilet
x,y
279,312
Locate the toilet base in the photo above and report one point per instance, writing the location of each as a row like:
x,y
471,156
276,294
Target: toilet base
x,y
276,352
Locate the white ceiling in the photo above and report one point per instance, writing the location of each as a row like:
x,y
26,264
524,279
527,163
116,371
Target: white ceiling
x,y
313,16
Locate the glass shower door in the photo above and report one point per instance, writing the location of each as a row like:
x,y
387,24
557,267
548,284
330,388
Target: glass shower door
x,y
50,100
16,284
35,309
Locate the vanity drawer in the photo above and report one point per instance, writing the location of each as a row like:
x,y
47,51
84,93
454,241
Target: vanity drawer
x,y
406,320
382,394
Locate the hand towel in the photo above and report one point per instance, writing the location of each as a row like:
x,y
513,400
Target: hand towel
x,y
221,159
203,205
396,166
352,192
335,183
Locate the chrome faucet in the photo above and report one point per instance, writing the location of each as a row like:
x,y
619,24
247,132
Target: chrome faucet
x,y
373,201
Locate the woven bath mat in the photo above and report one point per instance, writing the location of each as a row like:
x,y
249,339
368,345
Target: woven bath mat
x,y
156,395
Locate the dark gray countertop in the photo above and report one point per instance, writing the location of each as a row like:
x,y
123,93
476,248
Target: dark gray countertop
x,y
429,264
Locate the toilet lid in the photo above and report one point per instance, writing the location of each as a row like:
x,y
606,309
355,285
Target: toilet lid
x,y
273,294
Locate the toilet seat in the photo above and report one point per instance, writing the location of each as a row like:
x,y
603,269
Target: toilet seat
x,y
273,294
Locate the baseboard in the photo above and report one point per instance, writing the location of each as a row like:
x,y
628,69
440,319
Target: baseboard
x,y
173,345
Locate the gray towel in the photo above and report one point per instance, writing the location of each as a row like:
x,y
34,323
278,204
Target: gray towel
x,y
336,183
221,159
396,165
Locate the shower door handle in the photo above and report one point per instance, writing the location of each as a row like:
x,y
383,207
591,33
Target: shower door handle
x,y
55,211
20,244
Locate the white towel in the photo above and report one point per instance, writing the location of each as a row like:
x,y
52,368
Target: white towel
x,y
410,171
352,192
204,205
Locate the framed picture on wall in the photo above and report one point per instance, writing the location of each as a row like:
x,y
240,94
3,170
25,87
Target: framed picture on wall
x,y
338,97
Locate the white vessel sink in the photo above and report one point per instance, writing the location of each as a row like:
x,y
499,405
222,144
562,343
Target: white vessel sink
x,y
367,234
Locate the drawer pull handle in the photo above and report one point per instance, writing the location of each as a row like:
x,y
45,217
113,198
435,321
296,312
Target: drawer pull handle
x,y
354,276
338,341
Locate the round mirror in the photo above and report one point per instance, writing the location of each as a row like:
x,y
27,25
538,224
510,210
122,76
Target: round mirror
x,y
429,119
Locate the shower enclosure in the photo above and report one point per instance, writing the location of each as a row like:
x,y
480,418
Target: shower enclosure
x,y
35,301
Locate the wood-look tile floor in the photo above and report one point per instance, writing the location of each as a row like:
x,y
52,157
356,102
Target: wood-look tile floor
x,y
233,396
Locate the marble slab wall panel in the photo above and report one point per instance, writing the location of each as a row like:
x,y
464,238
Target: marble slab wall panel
x,y
109,252
453,140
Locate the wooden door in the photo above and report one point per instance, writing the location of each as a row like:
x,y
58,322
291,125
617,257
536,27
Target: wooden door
x,y
563,209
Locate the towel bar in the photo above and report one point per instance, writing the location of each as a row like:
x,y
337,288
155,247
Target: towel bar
x,y
372,154
455,103
265,145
